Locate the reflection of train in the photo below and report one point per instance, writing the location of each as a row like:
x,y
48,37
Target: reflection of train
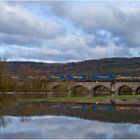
x,y
82,77
22,77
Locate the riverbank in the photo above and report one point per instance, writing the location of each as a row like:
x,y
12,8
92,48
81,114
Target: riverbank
x,y
119,103
116,99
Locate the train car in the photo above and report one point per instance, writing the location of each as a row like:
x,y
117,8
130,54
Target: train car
x,y
57,77
102,77
77,77
118,76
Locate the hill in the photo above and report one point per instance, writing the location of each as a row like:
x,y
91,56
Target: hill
x,y
121,66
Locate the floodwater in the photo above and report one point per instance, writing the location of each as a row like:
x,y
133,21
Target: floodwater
x,y
25,120
65,127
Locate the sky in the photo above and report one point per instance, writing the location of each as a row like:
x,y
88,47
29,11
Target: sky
x,y
69,31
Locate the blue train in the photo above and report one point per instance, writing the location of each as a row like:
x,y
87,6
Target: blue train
x,y
57,77
104,77
69,77
84,77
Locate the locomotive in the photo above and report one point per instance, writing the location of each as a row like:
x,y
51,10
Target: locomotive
x,y
84,77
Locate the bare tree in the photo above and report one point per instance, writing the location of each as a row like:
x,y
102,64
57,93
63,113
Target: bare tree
x,y
25,72
3,74
1,70
44,84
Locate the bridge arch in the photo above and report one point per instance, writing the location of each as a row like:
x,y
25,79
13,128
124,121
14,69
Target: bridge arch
x,y
125,90
59,91
138,91
101,90
79,91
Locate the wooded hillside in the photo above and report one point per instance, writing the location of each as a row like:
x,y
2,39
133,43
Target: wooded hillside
x,y
122,66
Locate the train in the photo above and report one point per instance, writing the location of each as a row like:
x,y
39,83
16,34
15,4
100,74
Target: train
x,y
80,77
84,77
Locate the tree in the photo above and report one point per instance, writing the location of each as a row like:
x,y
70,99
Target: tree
x,y
4,77
44,84
24,73
1,71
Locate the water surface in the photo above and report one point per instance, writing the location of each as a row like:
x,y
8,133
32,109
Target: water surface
x,y
65,127
42,120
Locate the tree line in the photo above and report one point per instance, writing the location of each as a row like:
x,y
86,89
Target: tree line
x,y
10,83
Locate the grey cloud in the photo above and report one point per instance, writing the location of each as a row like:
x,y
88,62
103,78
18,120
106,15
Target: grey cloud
x,y
121,20
59,8
40,53
19,40
23,135
120,23
17,20
64,50
97,31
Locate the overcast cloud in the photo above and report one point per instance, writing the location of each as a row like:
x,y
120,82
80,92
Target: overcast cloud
x,y
52,31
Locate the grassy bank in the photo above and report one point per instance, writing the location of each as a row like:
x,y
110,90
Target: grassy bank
x,y
125,98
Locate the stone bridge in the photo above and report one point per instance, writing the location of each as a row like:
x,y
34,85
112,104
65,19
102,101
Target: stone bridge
x,y
92,88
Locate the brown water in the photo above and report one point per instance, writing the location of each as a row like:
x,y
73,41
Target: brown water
x,y
26,120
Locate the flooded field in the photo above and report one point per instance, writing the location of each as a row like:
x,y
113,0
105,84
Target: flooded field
x,y
48,120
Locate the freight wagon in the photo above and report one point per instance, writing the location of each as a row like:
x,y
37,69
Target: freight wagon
x,y
82,77
106,77
57,77
77,77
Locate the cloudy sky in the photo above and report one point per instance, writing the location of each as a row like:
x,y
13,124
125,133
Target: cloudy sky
x,y
65,31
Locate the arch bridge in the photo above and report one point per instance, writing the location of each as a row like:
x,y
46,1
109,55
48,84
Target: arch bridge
x,y
92,88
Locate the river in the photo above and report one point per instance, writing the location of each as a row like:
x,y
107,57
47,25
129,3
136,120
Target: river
x,y
22,120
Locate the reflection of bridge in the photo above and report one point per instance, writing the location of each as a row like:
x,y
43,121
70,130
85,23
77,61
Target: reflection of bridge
x,y
92,88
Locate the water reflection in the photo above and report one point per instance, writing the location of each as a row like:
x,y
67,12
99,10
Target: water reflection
x,y
24,119
67,123
66,127
4,121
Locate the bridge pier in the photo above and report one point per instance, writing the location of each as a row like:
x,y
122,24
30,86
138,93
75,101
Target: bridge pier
x,y
112,90
69,93
133,92
92,86
49,94
115,93
91,93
